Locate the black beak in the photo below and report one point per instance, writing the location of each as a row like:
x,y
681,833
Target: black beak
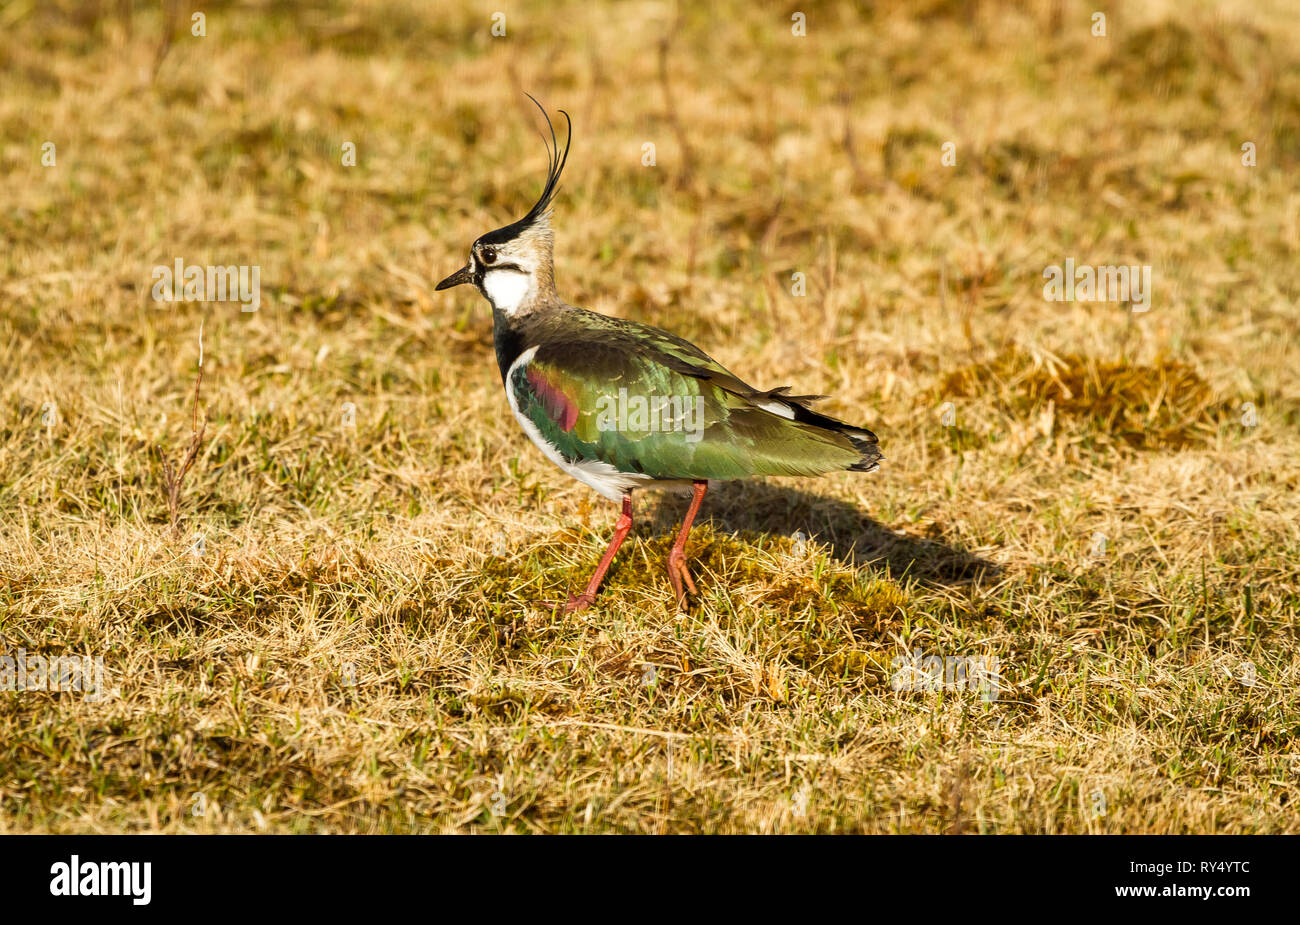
x,y
461,276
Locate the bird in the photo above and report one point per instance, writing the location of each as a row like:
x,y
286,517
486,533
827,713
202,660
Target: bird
x,y
622,406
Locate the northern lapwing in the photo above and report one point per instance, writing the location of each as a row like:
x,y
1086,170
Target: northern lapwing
x,y
621,405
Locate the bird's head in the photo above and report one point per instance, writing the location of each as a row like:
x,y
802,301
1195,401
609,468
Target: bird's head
x,y
512,266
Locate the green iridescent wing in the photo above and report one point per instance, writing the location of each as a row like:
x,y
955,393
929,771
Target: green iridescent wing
x,y
654,404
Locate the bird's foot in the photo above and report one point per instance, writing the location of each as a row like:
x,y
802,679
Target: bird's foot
x,y
679,577
574,603
579,602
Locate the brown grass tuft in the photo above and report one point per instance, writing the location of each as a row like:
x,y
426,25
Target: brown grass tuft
x,y
1162,405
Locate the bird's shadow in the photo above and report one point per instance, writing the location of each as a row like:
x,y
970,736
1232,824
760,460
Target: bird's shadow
x,y
853,538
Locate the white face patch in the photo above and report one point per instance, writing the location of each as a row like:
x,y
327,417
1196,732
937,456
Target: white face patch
x,y
507,289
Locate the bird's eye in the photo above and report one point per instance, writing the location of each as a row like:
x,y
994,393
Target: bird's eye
x,y
489,255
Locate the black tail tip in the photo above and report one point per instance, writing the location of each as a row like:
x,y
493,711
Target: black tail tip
x,y
864,442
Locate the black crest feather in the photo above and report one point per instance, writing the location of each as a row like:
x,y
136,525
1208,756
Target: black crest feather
x,y
557,159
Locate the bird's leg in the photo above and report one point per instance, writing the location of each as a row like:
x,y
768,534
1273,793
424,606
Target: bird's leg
x,y
677,572
621,530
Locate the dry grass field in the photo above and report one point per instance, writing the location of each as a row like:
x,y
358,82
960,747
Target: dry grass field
x,y
346,629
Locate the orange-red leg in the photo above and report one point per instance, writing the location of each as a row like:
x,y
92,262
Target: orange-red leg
x,y
677,573
621,530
